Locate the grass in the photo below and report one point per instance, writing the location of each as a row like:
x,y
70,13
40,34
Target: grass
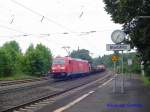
x,y
146,80
16,77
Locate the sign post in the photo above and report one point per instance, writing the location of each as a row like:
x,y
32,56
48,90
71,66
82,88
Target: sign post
x,y
129,64
118,37
122,87
114,58
114,85
142,68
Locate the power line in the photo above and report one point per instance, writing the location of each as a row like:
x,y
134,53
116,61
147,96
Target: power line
x,y
5,27
49,34
39,14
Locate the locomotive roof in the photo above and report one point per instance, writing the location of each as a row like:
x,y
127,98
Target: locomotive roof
x,y
70,58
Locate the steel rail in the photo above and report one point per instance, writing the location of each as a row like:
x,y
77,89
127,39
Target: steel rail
x,y
52,95
8,83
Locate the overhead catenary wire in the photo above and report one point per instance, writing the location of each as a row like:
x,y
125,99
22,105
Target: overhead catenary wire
x,y
83,33
12,20
81,12
15,30
44,17
41,15
43,35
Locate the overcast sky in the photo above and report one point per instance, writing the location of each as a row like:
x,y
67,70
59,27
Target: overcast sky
x,y
25,17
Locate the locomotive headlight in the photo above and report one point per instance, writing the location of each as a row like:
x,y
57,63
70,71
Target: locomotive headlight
x,y
62,68
53,68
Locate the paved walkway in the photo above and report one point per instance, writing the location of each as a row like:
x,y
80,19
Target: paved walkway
x,y
135,98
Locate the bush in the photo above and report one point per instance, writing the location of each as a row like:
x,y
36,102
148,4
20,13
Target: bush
x,y
13,51
6,66
37,60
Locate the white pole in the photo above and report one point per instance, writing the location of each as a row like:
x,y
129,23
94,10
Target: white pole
x,y
122,86
114,85
142,68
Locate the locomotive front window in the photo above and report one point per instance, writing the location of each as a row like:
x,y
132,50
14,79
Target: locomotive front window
x,y
59,61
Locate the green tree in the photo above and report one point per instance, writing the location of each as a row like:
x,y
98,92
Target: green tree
x,y
12,45
127,12
46,56
106,59
37,60
96,61
134,68
81,54
6,67
13,50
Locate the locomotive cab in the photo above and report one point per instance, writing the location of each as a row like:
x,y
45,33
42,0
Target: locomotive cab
x,y
69,67
59,67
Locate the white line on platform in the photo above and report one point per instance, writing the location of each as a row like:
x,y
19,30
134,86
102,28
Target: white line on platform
x,y
74,102
105,83
82,97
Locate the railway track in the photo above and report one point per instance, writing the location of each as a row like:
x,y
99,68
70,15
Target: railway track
x,y
49,98
20,85
8,83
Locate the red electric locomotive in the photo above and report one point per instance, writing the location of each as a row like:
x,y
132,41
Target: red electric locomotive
x,y
68,67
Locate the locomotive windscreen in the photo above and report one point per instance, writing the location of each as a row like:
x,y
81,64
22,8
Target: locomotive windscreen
x,y
58,61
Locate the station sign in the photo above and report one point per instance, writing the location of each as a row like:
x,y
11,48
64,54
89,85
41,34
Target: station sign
x,y
117,47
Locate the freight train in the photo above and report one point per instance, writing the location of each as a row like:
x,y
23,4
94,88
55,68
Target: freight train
x,y
63,67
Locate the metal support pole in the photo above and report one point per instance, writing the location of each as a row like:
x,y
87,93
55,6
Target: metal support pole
x,y
129,65
142,68
114,85
130,74
122,86
143,73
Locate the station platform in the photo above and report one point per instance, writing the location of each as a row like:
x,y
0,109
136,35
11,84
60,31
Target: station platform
x,y
134,99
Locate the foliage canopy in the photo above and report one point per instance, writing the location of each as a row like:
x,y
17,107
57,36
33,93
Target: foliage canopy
x,y
81,54
128,13
36,61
